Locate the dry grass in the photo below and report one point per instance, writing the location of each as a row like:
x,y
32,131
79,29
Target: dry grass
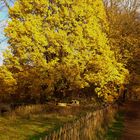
x,y
34,121
31,122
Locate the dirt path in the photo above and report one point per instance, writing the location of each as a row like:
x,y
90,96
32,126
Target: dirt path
x,y
132,121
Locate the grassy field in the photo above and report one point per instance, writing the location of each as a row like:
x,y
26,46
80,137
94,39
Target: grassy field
x,y
30,123
35,121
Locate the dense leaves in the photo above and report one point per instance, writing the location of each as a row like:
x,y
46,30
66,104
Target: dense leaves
x,y
59,47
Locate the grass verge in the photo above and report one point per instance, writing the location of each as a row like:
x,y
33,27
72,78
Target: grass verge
x,y
116,129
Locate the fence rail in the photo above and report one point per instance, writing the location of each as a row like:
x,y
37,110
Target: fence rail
x,y
91,126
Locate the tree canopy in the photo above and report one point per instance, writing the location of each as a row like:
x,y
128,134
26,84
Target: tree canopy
x,y
59,47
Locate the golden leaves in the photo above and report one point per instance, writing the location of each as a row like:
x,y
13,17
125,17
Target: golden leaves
x,y
60,41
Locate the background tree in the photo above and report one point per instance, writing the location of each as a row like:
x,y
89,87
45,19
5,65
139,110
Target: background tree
x,y
124,33
123,17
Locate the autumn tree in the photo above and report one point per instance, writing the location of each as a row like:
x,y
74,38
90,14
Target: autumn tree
x,y
124,33
59,46
7,84
124,30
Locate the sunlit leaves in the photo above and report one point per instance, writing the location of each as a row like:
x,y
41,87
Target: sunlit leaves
x,y
60,46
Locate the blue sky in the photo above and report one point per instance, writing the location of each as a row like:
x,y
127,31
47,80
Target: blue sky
x,y
3,21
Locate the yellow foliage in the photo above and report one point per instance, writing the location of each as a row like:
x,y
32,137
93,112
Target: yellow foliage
x,y
60,45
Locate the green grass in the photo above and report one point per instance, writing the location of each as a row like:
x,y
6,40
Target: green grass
x,y
35,121
31,128
116,129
